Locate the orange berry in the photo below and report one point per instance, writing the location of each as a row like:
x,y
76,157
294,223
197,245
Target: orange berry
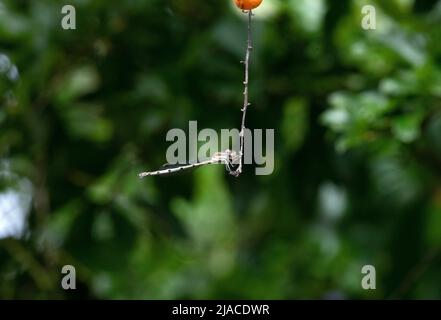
x,y
247,4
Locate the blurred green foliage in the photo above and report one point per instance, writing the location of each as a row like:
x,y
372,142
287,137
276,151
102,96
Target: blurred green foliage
x,y
357,174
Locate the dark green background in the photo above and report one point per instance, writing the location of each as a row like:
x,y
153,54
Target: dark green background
x,y
357,116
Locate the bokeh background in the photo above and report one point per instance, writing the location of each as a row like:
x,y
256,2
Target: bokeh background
x,y
357,117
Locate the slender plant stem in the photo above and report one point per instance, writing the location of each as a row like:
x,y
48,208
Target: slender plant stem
x,y
246,102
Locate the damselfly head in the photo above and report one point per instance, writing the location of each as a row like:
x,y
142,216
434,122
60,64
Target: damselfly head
x,y
230,153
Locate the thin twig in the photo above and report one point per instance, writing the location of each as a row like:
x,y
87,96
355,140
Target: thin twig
x,y
246,102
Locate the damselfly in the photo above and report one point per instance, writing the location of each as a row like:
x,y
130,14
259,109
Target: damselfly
x,y
229,158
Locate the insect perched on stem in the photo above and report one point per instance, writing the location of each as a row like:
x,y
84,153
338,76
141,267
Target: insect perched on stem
x,y
229,158
232,160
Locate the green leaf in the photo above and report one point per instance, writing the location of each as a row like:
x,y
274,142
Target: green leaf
x,y
79,82
295,123
407,128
